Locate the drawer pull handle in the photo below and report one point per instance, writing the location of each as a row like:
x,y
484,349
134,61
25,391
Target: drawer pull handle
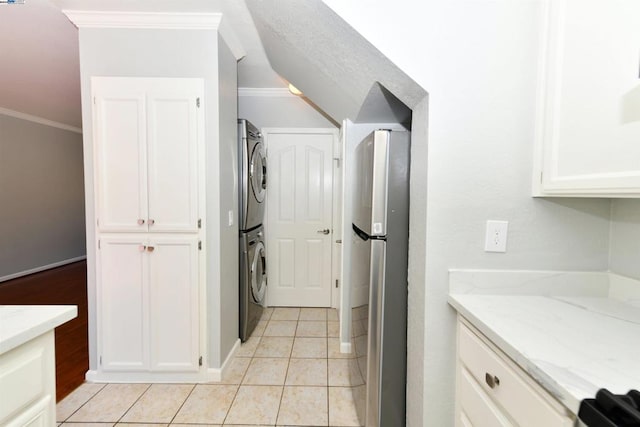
x,y
492,380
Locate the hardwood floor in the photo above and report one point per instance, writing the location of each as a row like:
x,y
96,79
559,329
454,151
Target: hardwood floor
x,y
62,285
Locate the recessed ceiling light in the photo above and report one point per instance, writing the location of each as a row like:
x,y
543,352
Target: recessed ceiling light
x,y
294,90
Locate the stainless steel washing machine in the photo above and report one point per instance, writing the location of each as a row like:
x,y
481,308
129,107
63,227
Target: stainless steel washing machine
x,y
253,280
252,175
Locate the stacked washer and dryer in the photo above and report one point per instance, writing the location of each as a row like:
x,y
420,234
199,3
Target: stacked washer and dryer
x,y
252,191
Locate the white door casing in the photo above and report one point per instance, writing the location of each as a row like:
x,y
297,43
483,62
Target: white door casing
x,y
299,209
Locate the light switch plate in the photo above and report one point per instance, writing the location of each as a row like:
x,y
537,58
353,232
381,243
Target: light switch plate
x,y
496,236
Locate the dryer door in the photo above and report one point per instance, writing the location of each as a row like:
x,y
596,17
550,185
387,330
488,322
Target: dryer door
x,y
258,274
258,172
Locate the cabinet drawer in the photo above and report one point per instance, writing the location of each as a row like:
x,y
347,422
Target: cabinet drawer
x,y
22,378
476,408
522,401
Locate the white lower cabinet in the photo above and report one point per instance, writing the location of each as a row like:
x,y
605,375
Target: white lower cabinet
x,y
492,391
28,385
148,298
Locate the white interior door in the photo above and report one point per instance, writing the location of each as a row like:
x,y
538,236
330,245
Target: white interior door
x,y
299,214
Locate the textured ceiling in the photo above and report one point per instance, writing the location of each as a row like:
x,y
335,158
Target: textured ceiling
x,y
311,46
39,51
307,43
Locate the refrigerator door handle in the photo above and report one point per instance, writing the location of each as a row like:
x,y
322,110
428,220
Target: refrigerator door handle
x,y
361,234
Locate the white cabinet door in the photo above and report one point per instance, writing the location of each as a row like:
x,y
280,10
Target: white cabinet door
x,y
298,221
589,100
120,155
149,300
173,154
147,134
173,301
122,300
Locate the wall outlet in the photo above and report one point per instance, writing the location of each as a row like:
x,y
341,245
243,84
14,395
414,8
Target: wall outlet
x,y
230,218
496,237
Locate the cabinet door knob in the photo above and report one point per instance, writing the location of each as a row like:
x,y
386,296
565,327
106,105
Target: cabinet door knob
x,y
150,248
142,248
492,380
152,221
141,222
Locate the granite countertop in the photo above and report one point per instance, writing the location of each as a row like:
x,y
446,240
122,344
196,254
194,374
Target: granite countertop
x,y
571,344
22,323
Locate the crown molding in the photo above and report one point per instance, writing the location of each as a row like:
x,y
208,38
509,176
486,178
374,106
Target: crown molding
x,y
39,120
267,92
144,20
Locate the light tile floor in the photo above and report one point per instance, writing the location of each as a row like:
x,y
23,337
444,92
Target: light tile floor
x,y
289,373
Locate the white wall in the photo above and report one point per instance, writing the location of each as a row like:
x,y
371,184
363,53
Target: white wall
x,y
625,238
159,53
228,298
477,59
279,111
41,197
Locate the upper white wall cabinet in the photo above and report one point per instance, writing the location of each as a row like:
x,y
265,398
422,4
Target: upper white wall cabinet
x,y
588,117
146,133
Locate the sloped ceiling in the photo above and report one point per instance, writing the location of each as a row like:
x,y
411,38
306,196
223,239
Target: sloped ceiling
x,y
306,43
312,47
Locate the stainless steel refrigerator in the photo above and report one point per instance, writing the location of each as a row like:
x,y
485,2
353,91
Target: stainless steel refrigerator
x,y
381,224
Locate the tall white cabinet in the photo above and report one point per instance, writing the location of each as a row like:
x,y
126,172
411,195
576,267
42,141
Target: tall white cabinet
x,y
148,138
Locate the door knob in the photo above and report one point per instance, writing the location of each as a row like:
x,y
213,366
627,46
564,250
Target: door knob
x,y
325,231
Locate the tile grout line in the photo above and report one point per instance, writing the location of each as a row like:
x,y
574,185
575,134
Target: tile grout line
x,y
133,404
183,402
82,405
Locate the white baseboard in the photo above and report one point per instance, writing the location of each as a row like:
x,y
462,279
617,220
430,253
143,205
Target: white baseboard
x,y
42,268
216,374
146,377
204,376
345,347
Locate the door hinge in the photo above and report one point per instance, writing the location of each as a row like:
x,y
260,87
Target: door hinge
x,y
100,360
98,244
199,245
200,361
94,100
198,102
541,177
199,223
336,283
